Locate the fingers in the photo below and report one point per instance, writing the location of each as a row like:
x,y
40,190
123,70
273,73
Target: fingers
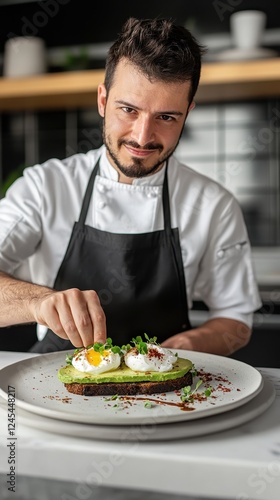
x,y
171,342
88,317
97,315
75,315
178,341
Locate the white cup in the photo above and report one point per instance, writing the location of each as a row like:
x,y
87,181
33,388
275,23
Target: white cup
x,y
247,28
24,56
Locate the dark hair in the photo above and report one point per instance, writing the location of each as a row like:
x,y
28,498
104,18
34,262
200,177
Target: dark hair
x,y
160,49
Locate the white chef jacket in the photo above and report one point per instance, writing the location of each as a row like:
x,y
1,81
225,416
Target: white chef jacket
x,y
39,210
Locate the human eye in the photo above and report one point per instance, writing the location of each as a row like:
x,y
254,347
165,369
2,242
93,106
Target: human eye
x,y
167,118
128,109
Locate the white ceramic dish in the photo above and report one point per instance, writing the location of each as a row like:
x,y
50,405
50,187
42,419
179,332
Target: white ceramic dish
x,y
38,390
146,433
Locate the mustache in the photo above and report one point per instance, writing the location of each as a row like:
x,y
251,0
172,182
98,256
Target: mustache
x,y
135,145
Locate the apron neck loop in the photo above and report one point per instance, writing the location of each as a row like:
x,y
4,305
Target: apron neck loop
x,y
88,195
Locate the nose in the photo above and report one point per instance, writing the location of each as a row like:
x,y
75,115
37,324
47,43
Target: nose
x,y
143,130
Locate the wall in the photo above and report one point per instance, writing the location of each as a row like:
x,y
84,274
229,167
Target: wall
x,y
236,144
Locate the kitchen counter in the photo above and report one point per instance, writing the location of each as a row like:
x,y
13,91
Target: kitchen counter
x,y
242,463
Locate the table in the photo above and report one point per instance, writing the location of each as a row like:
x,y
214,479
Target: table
x,y
241,464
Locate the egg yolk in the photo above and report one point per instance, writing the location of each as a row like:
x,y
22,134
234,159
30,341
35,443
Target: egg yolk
x,y
95,358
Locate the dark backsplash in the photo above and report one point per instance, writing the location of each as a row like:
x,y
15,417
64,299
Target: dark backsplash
x,y
238,144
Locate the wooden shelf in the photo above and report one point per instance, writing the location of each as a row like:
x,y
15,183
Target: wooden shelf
x,y
239,80
219,82
53,90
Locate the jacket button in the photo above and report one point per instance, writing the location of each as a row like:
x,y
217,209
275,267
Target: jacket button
x,y
101,204
151,194
101,188
220,254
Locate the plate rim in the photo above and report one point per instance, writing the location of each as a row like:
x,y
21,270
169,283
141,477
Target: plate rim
x,y
155,419
162,432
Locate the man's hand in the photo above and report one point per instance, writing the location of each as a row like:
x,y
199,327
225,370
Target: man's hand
x,y
72,314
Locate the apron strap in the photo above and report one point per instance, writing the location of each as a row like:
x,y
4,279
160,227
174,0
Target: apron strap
x,y
166,203
88,195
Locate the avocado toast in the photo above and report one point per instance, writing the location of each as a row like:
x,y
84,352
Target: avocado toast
x,y
121,379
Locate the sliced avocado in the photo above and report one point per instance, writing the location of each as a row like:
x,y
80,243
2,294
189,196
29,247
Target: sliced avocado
x,y
69,375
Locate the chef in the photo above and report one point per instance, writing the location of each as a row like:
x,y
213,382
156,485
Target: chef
x,y
119,241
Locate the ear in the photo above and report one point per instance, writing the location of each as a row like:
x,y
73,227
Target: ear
x,y
101,99
192,106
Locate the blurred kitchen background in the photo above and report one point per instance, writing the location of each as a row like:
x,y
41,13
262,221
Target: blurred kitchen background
x,y
233,135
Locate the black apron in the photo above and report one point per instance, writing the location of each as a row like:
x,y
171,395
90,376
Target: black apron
x,y
139,278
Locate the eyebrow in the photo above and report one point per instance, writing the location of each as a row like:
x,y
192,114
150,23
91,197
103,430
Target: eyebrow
x,y
129,105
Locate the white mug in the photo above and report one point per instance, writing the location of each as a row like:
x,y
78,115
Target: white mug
x,y
24,56
247,28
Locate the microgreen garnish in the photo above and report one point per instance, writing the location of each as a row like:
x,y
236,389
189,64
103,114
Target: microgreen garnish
x,y
98,347
120,404
112,398
208,392
194,371
188,394
152,340
148,404
125,348
140,344
69,359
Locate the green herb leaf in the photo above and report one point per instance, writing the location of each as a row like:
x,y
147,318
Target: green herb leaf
x,y
125,348
198,384
194,371
141,345
69,359
148,404
98,347
112,398
187,394
116,349
187,389
208,391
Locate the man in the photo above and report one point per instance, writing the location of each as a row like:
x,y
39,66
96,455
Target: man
x,y
118,241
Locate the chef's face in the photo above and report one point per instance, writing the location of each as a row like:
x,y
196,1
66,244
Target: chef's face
x,y
143,120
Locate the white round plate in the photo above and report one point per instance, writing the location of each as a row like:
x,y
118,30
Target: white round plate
x,y
158,432
38,390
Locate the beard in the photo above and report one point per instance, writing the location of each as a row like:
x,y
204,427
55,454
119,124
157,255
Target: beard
x,y
137,169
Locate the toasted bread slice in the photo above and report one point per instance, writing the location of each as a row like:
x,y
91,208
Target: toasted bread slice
x,y
129,388
124,381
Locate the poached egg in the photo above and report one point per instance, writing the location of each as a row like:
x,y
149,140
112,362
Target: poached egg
x,y
91,361
157,359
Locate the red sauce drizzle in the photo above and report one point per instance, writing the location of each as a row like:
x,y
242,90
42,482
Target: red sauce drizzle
x,y
181,405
